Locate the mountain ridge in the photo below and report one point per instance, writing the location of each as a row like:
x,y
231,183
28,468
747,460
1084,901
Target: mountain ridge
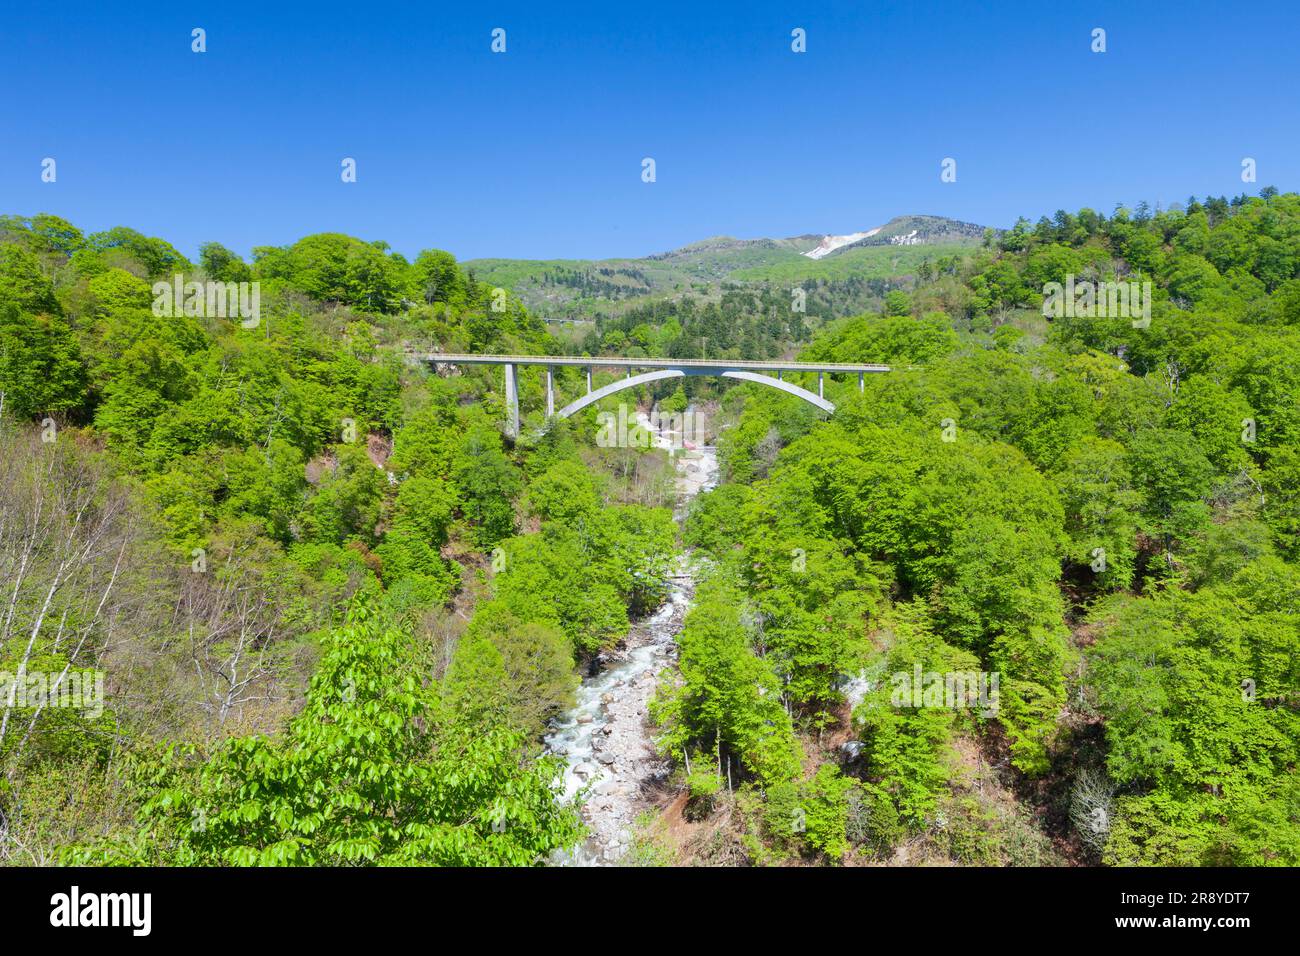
x,y
922,229
892,251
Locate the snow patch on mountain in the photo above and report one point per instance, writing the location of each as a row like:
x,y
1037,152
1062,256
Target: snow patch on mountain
x,y
830,243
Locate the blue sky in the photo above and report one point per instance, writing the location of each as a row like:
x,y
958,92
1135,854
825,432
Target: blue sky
x,y
537,152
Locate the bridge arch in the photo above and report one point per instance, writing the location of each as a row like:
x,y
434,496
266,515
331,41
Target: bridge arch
x,y
660,374
787,387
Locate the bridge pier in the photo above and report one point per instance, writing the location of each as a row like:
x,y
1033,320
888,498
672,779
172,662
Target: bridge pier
x,y
512,402
550,393
820,392
861,383
588,379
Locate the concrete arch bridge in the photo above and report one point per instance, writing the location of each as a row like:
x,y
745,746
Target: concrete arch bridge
x,y
771,374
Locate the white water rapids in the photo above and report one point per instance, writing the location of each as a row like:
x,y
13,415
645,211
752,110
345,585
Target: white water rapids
x,y
606,739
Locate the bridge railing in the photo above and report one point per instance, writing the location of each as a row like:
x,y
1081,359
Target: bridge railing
x,y
601,361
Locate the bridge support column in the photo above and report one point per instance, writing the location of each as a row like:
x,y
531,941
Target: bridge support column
x,y
588,380
780,375
550,393
512,403
820,392
861,384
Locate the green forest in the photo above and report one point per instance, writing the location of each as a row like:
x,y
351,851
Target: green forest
x,y
334,608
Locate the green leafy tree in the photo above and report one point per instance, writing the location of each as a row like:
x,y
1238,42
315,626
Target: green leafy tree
x,y
374,771
222,265
728,701
486,483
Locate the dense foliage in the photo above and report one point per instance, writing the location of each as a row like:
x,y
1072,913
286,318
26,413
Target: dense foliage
x,y
334,606
1099,511
266,534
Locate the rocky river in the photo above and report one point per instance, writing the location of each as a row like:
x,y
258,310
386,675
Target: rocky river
x,y
606,739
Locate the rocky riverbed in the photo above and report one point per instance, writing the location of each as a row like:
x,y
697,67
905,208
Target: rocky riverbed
x,y
606,739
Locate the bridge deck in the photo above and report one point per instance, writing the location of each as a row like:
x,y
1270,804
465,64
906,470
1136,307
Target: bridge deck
x,y
451,358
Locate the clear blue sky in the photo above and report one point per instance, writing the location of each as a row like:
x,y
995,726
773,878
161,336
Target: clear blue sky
x,y
537,152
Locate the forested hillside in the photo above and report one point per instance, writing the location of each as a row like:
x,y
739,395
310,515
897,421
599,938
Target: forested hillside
x,y
285,550
1104,512
334,609
586,296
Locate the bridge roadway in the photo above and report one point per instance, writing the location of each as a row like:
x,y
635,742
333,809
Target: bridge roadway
x,y
452,358
659,368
